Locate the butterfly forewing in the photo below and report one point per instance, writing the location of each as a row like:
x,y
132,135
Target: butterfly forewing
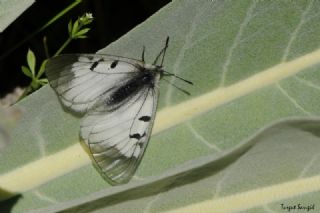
x,y
83,80
119,96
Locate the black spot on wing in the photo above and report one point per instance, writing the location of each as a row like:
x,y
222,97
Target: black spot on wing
x,y
114,64
95,64
145,118
137,136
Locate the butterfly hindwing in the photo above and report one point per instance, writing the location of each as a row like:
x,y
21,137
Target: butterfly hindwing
x,y
118,139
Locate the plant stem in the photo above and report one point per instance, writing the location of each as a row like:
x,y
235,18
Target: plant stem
x,y
63,46
45,47
56,17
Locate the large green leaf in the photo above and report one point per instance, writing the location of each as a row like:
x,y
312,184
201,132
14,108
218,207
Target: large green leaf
x,y
252,63
249,176
11,9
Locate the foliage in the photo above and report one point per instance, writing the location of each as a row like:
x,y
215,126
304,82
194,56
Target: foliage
x,y
247,139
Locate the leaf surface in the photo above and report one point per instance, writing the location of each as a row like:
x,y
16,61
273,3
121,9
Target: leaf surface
x,y
11,9
252,63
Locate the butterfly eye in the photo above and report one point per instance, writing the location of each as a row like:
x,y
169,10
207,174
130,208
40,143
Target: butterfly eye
x,y
148,77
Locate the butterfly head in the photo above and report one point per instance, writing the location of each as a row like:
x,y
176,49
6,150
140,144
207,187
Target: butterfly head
x,y
157,70
154,69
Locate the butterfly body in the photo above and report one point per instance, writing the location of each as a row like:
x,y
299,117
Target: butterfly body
x,y
145,78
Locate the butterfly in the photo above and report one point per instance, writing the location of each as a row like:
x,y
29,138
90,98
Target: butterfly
x,y
118,98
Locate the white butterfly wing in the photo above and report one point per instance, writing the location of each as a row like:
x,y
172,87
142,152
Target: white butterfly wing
x,y
116,134
81,80
118,139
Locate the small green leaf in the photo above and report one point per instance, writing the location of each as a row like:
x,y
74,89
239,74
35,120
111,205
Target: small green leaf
x,y
31,60
75,28
42,68
43,81
26,71
82,32
82,36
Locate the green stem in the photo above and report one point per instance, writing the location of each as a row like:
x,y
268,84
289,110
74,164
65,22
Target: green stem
x,y
59,15
63,46
45,47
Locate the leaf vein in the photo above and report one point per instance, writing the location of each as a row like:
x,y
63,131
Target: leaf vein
x,y
292,100
295,32
236,41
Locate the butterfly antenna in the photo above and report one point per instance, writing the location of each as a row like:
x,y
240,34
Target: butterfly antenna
x,y
182,90
162,52
166,73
